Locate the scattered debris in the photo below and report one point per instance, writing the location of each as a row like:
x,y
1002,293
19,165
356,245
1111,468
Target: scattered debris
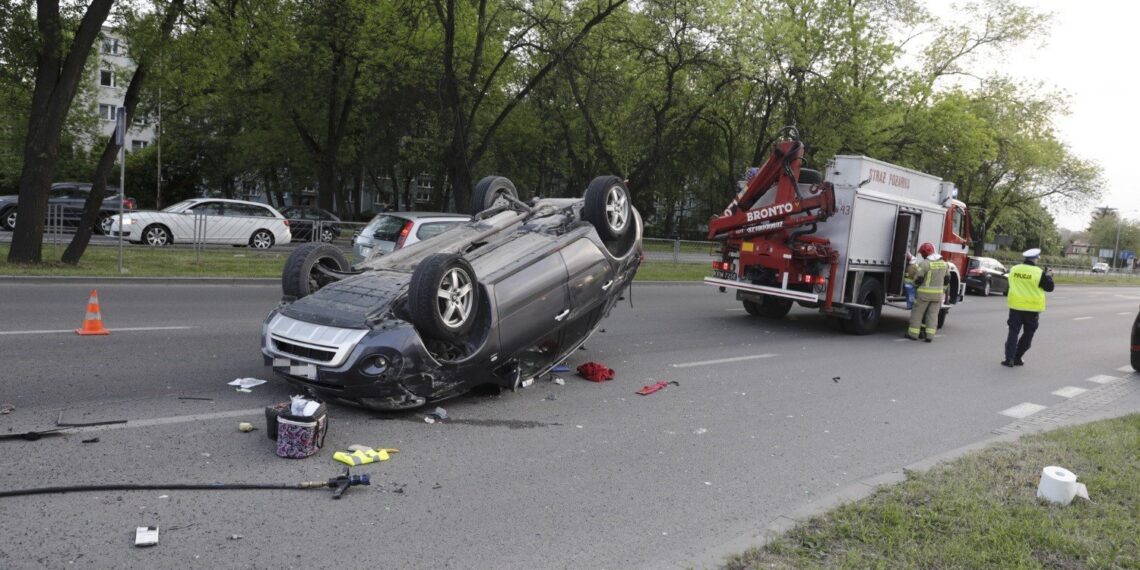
x,y
164,497
247,383
558,380
7,408
92,440
526,383
363,455
550,397
32,435
835,379
195,398
246,427
146,536
59,422
560,368
595,372
601,330
700,431
245,390
437,415
236,537
581,348
437,486
651,388
1059,485
204,454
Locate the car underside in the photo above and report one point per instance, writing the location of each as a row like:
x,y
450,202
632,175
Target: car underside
x,y
493,302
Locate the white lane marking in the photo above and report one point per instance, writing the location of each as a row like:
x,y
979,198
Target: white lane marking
x,y
1069,392
740,309
1022,410
1102,379
722,360
124,329
1125,313
1082,318
172,420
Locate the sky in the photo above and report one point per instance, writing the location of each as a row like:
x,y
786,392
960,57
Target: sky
x,y
1091,55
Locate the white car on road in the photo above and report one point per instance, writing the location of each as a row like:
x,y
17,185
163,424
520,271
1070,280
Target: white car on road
x,y
208,221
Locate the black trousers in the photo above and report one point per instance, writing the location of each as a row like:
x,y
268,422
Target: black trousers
x,y
1016,348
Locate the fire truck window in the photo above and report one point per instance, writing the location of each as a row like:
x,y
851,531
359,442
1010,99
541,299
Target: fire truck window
x,y
959,222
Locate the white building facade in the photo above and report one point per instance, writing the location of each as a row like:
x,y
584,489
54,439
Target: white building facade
x,y
111,77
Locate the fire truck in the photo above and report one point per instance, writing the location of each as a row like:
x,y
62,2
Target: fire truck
x,y
837,243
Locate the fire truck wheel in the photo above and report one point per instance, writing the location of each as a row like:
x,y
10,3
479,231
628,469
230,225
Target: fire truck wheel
x,y
942,317
809,176
752,307
775,307
864,321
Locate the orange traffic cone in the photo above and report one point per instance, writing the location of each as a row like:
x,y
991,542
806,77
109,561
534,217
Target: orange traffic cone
x,y
93,324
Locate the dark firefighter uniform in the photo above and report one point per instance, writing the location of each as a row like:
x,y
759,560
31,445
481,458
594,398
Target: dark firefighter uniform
x,y
1027,287
930,275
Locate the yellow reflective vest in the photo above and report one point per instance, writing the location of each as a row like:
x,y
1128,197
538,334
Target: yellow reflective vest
x,y
1025,292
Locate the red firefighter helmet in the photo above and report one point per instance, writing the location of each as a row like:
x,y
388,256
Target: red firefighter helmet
x,y
926,249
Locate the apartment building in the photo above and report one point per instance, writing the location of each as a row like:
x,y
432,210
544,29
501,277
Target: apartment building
x,y
111,77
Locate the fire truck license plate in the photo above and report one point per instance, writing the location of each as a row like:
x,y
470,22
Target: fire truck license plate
x,y
729,275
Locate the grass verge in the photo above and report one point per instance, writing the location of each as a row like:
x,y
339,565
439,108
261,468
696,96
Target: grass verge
x,y
981,511
668,271
102,261
1107,280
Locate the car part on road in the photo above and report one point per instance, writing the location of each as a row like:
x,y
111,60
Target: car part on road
x,y
32,436
339,484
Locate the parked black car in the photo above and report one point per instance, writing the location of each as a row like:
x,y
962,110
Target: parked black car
x,y
1136,343
497,300
985,275
66,201
312,224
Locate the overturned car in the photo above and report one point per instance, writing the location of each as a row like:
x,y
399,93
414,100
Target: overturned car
x,y
494,301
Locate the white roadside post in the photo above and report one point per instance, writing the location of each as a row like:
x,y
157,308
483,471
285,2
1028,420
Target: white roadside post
x,y
121,140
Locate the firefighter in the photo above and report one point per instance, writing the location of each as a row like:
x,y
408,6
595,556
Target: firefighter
x,y
929,275
1027,287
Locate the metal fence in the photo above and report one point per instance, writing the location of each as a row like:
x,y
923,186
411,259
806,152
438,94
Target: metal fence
x,y
679,251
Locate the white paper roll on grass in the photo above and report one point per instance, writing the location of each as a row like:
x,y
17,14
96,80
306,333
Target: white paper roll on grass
x,y
1059,485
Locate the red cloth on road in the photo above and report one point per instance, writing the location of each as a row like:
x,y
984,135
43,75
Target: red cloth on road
x,y
651,388
595,372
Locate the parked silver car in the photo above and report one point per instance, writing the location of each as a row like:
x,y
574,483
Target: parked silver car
x,y
390,231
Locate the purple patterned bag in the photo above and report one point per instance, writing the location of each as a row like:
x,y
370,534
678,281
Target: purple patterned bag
x,y
299,437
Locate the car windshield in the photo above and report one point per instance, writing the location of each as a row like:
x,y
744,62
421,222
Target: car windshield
x,y
179,206
387,228
974,264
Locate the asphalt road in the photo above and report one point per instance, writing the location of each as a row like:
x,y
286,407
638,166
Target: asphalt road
x,y
768,416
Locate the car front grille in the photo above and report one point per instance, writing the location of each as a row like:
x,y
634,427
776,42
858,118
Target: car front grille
x,y
308,342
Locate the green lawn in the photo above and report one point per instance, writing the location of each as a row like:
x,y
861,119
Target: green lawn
x,y
102,261
981,511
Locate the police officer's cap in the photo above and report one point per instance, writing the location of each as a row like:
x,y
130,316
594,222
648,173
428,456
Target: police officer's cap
x,y
1031,253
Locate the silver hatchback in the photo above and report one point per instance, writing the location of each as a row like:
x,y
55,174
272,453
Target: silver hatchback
x,y
391,231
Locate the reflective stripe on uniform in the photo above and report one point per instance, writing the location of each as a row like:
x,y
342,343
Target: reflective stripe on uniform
x,y
933,274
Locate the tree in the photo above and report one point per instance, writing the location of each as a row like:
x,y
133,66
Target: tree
x,y
58,73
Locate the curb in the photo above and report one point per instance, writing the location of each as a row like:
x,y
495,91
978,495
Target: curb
x,y
715,557
49,280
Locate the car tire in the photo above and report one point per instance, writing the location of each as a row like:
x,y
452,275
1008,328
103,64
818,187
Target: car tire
x,y
986,288
608,207
942,317
156,235
261,239
865,321
103,225
8,220
443,297
489,193
302,275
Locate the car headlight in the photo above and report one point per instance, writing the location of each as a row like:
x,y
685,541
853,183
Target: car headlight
x,y
127,220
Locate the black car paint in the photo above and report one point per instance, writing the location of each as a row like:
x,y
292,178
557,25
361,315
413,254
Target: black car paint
x,y
999,280
303,222
543,273
67,200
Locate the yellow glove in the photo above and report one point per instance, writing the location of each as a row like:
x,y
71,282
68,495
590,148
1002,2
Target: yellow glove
x,y
363,455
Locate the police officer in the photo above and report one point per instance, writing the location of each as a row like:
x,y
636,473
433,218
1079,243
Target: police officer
x,y
1027,287
930,276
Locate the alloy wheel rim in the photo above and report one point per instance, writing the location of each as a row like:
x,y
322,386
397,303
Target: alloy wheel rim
x,y
105,224
260,240
11,221
156,236
617,209
454,297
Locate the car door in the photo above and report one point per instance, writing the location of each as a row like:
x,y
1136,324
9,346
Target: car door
x,y
62,208
590,278
1001,278
198,223
241,221
533,305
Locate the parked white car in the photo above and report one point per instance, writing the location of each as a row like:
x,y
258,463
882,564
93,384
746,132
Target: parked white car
x,y
391,231
209,221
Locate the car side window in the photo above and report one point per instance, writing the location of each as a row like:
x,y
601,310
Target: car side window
x,y
247,211
206,209
432,229
61,193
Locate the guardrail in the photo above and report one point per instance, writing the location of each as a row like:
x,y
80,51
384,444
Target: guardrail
x,y
679,251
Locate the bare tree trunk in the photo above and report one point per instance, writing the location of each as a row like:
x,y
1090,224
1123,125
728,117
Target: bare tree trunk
x,y
94,202
56,85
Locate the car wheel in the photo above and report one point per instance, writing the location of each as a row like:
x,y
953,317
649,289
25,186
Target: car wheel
x,y
443,297
8,222
328,234
865,321
156,235
103,226
986,288
607,206
491,192
302,275
261,239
